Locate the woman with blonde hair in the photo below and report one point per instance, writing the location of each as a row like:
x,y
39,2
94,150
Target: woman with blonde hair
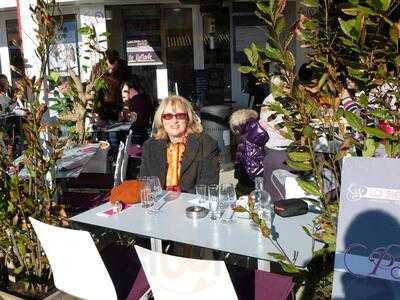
x,y
179,153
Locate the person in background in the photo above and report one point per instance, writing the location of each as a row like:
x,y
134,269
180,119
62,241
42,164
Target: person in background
x,y
137,107
250,150
108,103
179,153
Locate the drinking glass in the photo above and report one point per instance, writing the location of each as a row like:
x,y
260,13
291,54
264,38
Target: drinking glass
x,y
201,192
213,197
224,196
146,195
227,198
155,185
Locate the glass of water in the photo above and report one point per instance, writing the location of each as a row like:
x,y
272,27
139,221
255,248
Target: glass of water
x,y
213,197
155,186
201,192
146,195
227,199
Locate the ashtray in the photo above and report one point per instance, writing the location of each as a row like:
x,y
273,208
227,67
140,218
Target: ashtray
x,y
196,212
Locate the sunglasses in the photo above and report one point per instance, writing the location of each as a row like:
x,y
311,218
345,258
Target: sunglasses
x,y
178,116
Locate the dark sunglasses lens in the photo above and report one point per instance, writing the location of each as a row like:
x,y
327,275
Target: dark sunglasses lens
x,y
181,116
167,116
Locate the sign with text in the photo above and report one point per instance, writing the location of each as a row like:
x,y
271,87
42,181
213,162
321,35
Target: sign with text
x,y
367,259
141,53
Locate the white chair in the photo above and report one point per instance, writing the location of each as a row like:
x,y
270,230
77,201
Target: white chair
x,y
125,156
118,164
76,264
172,277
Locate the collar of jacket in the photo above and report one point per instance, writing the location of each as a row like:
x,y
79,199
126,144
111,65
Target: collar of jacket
x,y
192,146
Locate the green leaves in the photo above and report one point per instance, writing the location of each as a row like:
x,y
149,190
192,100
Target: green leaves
x,y
289,268
380,4
99,85
246,69
376,132
363,100
54,77
252,54
299,156
273,53
370,147
348,27
309,187
277,256
311,3
353,120
299,166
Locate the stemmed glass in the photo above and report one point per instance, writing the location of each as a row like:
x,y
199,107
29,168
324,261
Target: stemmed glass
x,y
213,197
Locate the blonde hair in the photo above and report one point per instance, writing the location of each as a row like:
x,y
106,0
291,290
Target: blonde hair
x,y
240,117
193,122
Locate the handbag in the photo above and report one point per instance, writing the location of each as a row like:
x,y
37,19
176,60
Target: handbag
x,y
290,207
128,192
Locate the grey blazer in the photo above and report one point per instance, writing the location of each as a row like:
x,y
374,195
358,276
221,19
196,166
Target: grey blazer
x,y
200,162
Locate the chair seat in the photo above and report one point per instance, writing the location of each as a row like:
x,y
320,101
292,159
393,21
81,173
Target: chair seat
x,y
92,181
134,151
272,286
140,286
77,202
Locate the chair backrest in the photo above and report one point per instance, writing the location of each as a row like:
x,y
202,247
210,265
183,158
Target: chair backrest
x,y
118,164
125,156
76,264
172,277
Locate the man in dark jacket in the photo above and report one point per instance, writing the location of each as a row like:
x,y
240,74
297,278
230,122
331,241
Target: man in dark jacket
x,y
137,105
109,100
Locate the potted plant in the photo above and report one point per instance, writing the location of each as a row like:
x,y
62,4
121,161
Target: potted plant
x,y
347,43
25,269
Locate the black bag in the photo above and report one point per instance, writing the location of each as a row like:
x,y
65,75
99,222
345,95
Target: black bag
x,y
290,207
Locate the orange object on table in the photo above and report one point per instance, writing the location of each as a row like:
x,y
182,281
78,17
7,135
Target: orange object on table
x,y
127,192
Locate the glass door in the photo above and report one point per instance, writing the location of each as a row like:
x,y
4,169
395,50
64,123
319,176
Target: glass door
x,y
179,51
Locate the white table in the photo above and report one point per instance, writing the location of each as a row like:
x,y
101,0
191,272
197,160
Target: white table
x,y
171,223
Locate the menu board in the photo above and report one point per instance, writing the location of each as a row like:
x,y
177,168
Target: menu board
x,y
367,258
140,52
143,41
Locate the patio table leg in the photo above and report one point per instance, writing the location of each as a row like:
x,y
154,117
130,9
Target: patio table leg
x,y
156,244
263,265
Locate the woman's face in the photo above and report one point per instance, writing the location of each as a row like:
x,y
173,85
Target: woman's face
x,y
175,121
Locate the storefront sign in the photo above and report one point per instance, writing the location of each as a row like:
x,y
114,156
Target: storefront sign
x,y
367,260
141,53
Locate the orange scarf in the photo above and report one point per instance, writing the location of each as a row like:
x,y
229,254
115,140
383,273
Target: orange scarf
x,y
174,160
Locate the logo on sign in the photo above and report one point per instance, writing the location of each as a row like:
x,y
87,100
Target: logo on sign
x,y
382,262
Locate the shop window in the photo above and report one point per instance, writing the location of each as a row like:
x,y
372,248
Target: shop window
x,y
64,53
217,58
143,44
179,45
